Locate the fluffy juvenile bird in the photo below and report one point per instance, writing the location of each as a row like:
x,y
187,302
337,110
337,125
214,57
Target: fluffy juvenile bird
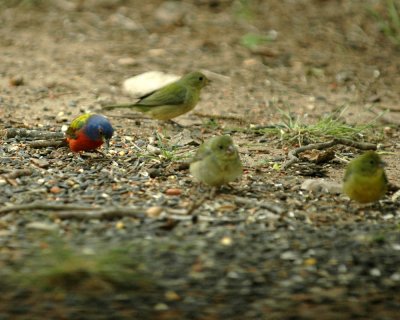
x,y
216,162
89,132
365,179
171,100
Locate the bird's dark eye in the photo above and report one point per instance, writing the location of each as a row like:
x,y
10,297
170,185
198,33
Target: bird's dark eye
x,y
221,147
201,78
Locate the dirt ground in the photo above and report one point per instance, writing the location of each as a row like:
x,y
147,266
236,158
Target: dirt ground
x,y
263,249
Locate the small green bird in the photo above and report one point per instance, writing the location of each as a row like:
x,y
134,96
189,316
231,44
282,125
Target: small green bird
x,y
171,100
365,179
216,162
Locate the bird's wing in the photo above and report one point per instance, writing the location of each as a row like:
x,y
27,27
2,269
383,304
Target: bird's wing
x,y
76,125
172,94
349,171
203,151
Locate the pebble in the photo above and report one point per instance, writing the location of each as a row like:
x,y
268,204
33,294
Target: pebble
x,y
321,185
173,192
55,189
226,241
375,272
41,163
171,13
127,61
161,307
16,81
172,296
154,212
288,255
62,117
152,149
42,226
119,225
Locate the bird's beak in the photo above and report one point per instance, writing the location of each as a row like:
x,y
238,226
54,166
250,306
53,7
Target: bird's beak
x,y
208,81
231,150
107,143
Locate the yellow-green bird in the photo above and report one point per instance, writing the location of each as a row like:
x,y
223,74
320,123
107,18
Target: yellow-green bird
x,y
365,179
172,100
216,162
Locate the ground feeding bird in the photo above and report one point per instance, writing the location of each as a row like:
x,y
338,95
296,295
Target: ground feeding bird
x,y
172,100
365,179
88,132
216,162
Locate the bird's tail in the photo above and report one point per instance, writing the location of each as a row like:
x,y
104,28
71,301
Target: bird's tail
x,y
115,106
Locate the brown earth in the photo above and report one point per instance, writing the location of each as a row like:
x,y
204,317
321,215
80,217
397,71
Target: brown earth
x,y
61,58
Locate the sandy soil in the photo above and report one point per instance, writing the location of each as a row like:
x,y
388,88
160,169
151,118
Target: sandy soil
x,y
67,57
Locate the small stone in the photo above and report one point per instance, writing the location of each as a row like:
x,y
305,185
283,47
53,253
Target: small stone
x,y
61,117
16,81
72,103
119,225
64,128
154,212
171,13
288,255
157,52
310,262
42,226
226,241
375,272
250,62
173,192
161,307
127,61
395,277
155,172
396,246
172,296
396,196
55,189
153,149
321,185
125,22
41,163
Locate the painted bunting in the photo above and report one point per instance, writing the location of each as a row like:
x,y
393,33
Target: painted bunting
x,y
172,100
88,132
365,179
216,162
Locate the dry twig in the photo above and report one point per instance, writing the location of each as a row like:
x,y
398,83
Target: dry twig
x,y
32,134
261,204
43,206
219,116
325,145
70,211
48,143
18,173
103,213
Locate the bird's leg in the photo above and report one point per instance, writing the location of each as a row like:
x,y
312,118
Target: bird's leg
x,y
175,124
213,193
196,204
100,152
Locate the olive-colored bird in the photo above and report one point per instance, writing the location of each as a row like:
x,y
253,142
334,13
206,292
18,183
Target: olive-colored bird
x,y
172,100
216,162
365,179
